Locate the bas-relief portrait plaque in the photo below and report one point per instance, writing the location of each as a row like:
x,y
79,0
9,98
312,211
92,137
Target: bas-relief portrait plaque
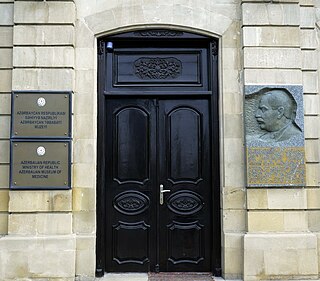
x,y
41,115
274,136
40,164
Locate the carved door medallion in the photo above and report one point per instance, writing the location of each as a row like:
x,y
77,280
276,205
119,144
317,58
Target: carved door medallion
x,y
156,161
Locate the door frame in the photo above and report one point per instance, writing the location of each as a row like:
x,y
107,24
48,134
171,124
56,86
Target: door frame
x,y
214,126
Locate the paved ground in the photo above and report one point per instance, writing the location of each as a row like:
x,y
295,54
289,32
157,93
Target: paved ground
x,y
144,277
156,277
124,277
180,276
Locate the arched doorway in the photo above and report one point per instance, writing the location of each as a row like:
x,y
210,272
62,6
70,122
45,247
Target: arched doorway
x,y
158,153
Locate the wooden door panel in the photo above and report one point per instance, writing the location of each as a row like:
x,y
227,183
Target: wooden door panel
x,y
158,142
126,252
184,147
185,243
132,145
130,178
185,163
139,68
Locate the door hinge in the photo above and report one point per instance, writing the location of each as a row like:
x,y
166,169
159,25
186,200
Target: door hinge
x,y
157,269
101,48
217,271
214,48
156,103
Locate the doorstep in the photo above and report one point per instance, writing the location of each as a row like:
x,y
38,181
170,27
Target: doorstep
x,y
145,277
180,276
124,277
155,277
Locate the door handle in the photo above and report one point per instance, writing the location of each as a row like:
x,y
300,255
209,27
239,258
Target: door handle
x,y
161,193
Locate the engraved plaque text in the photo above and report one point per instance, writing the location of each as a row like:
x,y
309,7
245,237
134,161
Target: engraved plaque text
x,y
40,165
41,114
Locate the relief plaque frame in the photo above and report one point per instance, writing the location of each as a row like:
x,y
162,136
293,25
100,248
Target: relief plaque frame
x,y
40,164
274,132
41,114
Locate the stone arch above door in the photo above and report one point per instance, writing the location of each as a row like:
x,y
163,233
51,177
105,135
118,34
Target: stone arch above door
x,y
204,17
215,20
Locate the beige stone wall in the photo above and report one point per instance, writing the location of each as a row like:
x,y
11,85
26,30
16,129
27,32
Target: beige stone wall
x,y
279,40
55,49
266,233
40,241
233,193
6,44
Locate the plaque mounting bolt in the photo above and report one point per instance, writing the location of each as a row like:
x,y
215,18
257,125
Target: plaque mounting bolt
x,y
17,96
15,144
65,183
15,133
65,145
65,96
15,183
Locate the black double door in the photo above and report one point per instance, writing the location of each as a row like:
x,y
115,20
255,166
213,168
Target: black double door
x,y
158,185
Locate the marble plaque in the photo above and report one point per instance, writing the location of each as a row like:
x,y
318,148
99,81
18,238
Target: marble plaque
x,y
274,136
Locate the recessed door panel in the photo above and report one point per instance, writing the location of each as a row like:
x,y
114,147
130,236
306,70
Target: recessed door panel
x,y
185,243
184,133
132,145
159,68
130,253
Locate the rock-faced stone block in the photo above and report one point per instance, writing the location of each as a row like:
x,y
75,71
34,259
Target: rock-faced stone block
x,y
274,131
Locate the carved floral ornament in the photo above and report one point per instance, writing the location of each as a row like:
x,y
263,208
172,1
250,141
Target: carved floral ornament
x,y
131,203
185,202
158,33
157,68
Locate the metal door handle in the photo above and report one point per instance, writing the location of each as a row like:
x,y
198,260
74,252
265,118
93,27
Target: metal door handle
x,y
161,193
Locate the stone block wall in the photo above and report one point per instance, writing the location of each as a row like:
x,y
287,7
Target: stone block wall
x,y
38,54
51,45
233,193
43,60
6,47
280,48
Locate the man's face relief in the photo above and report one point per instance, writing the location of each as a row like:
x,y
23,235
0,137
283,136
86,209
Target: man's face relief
x,y
266,116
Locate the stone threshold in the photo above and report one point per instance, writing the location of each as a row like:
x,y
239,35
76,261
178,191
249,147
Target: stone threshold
x,y
180,276
148,277
145,277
